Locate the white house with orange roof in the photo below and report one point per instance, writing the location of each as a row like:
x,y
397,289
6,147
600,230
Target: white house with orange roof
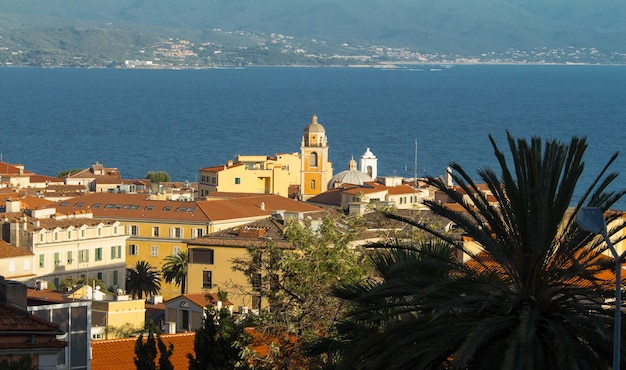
x,y
66,245
16,176
185,312
96,178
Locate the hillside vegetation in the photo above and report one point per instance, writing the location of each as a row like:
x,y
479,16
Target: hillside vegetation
x,y
116,28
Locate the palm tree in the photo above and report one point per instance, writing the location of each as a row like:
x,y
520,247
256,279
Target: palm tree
x,y
175,269
143,278
531,299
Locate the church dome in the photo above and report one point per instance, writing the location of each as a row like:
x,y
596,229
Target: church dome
x,y
314,127
349,176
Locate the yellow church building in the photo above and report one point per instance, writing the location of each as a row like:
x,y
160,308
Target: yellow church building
x,y
294,175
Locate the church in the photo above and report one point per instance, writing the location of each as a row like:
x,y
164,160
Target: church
x,y
296,175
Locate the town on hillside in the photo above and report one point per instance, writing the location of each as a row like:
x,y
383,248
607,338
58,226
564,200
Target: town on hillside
x,y
74,250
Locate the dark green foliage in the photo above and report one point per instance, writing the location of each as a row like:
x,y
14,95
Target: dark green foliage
x,y
175,269
143,278
217,344
25,362
158,176
64,174
532,300
146,353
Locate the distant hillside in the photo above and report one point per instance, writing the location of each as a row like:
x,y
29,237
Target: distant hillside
x,y
312,32
458,26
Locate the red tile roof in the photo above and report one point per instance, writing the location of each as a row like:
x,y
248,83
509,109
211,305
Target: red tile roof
x,y
7,250
18,322
119,354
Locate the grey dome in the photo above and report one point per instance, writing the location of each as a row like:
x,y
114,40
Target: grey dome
x,y
349,176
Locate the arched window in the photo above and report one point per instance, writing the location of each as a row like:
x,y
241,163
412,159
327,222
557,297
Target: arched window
x,y
312,184
314,159
369,170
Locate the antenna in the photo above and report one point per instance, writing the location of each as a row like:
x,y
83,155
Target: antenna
x,y
415,167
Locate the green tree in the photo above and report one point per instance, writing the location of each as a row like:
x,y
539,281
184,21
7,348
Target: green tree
x,y
217,342
158,176
64,174
175,269
146,353
297,282
531,300
25,362
143,278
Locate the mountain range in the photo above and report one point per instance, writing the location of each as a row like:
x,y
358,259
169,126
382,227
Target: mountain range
x,y
431,26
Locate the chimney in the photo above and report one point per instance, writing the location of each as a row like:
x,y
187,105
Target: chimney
x,y
13,293
13,206
449,177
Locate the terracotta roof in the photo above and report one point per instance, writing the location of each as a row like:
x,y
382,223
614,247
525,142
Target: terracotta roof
x,y
200,299
119,354
16,321
134,206
35,224
253,206
7,250
12,169
221,167
330,197
44,296
26,201
244,235
402,189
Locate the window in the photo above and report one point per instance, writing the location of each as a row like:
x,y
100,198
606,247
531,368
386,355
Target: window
x,y
56,236
205,256
207,279
133,250
197,232
312,184
155,231
154,250
313,159
255,279
69,235
116,252
237,180
83,256
115,278
213,180
99,276
69,258
176,232
134,230
57,260
42,260
98,254
82,233
175,251
41,238
114,230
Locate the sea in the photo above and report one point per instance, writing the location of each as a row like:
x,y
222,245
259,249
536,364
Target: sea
x,y
414,118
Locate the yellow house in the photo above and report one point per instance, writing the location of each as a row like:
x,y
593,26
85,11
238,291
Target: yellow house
x,y
211,261
253,174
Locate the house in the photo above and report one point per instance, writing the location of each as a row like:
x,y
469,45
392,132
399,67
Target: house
x,y
211,260
186,312
64,245
96,178
252,174
17,177
160,228
22,333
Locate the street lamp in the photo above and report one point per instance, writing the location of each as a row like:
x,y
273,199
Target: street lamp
x,y
591,219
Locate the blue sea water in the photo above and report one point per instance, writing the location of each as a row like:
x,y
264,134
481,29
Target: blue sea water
x,y
181,120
